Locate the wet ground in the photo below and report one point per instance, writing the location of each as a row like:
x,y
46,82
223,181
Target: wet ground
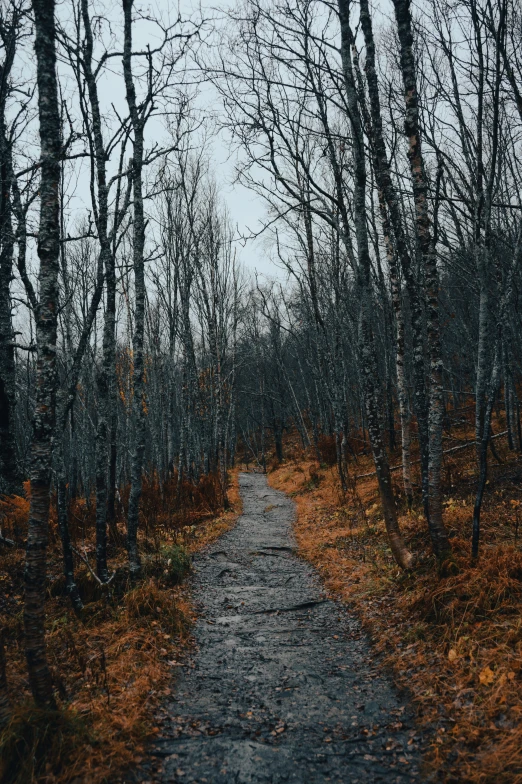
x,y
281,686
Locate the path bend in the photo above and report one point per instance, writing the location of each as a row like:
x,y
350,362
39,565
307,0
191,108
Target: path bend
x,y
281,686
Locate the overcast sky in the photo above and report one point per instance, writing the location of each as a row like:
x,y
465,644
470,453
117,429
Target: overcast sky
x,y
246,209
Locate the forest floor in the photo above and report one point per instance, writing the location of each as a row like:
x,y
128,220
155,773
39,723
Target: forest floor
x,y
454,643
281,685
114,665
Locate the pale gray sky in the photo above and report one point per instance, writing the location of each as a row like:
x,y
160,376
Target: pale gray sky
x,y
246,209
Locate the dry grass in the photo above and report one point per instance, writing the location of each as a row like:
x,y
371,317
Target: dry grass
x,y
454,642
111,668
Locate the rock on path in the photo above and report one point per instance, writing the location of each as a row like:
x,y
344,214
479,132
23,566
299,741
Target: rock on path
x,y
281,686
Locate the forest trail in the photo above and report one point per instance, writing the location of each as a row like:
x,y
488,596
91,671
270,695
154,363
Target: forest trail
x,y
281,685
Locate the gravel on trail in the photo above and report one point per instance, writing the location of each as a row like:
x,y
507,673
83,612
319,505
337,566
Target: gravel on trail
x,y
281,685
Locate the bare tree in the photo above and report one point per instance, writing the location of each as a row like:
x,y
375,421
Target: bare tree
x,y
46,329
12,18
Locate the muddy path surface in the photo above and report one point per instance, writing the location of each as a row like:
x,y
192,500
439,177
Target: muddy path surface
x,y
281,686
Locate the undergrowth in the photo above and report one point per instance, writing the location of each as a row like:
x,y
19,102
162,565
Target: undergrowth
x,y
38,743
454,641
112,666
177,563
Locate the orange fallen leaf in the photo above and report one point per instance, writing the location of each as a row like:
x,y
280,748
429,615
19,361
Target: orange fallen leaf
x,y
486,676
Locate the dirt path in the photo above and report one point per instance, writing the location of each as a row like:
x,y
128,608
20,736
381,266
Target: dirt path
x,y
281,687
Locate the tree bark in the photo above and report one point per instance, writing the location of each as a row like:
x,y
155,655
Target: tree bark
x,y
46,328
9,475
368,363
438,533
10,479
490,394
394,231
137,121
105,376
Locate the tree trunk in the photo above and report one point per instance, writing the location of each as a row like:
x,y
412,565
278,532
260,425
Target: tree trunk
x,y
63,526
394,231
10,480
46,327
438,533
490,394
400,356
111,491
137,121
368,359
105,376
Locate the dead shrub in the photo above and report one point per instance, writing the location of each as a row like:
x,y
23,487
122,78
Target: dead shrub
x,y
148,601
493,585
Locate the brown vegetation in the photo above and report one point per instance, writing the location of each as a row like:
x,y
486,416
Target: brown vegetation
x,y
112,666
453,641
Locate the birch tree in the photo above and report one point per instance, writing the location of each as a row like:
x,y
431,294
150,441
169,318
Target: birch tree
x,y
46,329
